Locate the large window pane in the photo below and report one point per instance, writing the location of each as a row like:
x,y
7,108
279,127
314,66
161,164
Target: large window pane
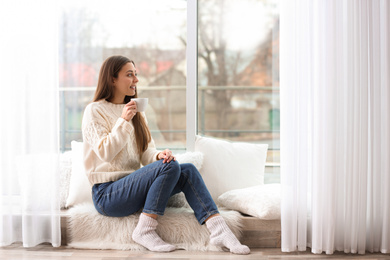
x,y
238,72
152,33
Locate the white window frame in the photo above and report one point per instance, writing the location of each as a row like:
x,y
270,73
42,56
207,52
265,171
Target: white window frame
x,y
192,74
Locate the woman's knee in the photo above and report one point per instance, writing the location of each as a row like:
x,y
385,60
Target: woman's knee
x,y
190,171
173,167
189,167
176,166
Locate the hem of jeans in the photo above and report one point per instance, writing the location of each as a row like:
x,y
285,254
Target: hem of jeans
x,y
202,220
153,212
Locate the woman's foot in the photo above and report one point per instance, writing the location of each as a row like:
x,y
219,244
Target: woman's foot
x,y
222,236
145,235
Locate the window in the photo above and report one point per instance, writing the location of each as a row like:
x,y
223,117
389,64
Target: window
x,y
238,73
152,33
237,67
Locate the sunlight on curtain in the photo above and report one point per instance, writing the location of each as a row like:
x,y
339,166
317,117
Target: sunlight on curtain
x,y
335,131
29,134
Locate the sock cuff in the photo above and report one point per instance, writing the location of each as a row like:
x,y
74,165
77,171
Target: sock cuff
x,y
147,221
216,222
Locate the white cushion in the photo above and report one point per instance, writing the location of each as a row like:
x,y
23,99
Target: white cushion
x,y
231,165
80,190
262,201
196,158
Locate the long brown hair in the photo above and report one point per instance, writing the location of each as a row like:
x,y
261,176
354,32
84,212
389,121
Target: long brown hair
x,y
105,90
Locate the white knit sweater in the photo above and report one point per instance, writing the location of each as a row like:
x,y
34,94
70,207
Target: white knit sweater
x,y
110,148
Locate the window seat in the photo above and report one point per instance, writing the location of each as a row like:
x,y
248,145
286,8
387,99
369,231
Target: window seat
x,y
256,233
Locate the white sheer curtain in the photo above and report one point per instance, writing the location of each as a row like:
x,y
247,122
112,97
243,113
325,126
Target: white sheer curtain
x,y
335,133
29,132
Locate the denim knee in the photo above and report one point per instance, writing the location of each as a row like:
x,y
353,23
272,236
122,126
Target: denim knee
x,y
189,169
173,167
176,168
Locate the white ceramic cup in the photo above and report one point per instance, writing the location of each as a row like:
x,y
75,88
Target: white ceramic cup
x,y
142,103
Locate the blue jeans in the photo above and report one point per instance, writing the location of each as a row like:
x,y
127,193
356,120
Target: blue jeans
x,y
150,188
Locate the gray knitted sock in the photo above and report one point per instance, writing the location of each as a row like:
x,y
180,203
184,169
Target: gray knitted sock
x,y
145,235
221,235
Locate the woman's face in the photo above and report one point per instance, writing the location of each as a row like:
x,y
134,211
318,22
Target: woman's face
x,y
126,82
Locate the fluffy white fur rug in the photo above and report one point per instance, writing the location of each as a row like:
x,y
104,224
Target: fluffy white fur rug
x,y
87,229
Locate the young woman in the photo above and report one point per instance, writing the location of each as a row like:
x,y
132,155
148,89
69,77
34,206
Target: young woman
x,y
117,141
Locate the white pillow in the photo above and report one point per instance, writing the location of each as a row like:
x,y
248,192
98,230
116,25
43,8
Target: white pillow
x,y
80,190
196,158
262,201
231,165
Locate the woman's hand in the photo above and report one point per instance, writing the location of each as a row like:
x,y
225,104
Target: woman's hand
x,y
129,110
166,155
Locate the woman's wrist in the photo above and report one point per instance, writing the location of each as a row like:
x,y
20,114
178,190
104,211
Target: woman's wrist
x,y
157,156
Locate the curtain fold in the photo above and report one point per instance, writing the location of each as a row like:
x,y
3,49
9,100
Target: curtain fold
x,y
29,116
335,156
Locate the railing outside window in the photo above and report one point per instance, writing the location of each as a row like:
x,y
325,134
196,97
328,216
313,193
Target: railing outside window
x,y
253,115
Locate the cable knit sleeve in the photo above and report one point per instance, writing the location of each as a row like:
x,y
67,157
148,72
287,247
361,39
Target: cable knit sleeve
x,y
150,154
105,142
